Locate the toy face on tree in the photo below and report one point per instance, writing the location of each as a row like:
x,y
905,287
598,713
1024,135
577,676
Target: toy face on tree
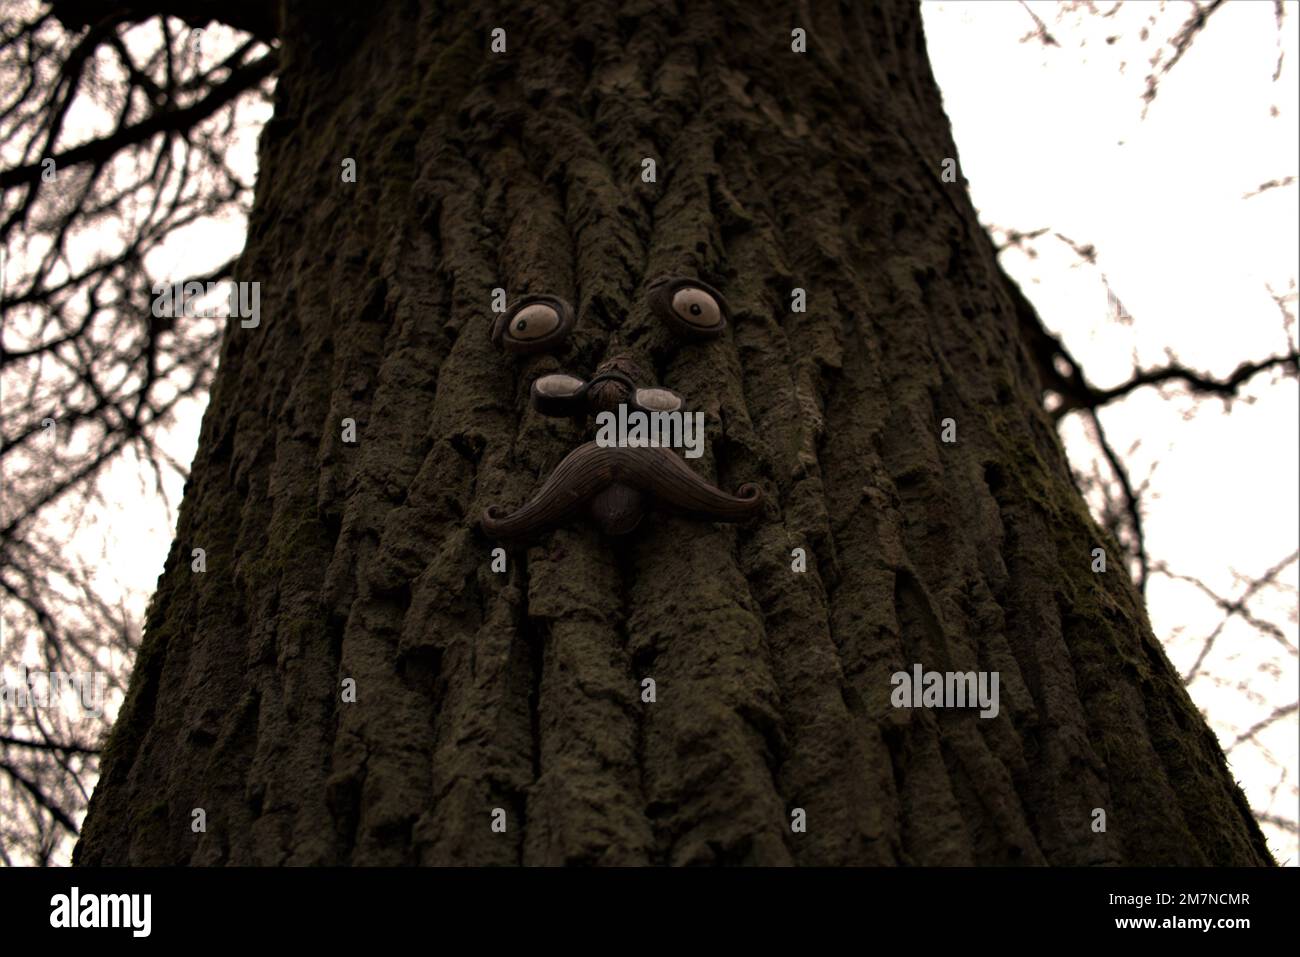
x,y
615,483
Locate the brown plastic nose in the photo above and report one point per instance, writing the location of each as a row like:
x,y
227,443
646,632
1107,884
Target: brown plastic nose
x,y
608,391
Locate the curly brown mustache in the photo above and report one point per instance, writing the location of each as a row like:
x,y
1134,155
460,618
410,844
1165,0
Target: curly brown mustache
x,y
612,485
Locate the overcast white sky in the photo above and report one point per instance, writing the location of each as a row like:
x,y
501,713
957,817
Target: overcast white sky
x,y
1054,136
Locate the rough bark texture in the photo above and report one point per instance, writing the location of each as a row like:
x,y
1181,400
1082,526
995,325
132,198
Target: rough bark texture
x,y
522,691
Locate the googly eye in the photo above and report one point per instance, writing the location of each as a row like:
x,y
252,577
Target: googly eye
x,y
697,307
533,324
690,307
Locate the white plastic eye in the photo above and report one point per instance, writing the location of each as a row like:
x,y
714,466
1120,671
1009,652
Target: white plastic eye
x,y
658,400
533,322
558,385
697,307
690,307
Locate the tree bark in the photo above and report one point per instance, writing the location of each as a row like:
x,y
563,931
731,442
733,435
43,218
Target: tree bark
x,y
522,691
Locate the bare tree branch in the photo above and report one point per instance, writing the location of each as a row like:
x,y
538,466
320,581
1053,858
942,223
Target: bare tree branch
x,y
88,372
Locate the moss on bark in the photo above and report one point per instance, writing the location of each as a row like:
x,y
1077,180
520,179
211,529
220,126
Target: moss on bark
x,y
522,691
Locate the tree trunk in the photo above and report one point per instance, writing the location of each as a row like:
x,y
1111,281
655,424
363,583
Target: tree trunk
x,y
523,691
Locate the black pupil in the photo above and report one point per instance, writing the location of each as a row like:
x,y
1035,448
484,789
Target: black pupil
x,y
695,309
521,325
